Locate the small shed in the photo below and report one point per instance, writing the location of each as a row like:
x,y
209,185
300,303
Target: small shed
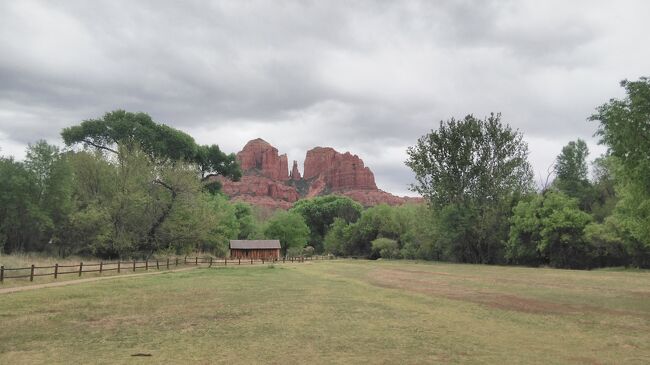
x,y
255,249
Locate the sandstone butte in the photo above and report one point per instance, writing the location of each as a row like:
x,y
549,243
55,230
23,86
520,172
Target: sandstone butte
x,y
267,182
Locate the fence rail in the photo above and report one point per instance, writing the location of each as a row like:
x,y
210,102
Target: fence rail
x,y
134,265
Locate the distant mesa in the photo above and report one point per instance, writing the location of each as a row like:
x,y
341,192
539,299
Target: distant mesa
x,y
267,181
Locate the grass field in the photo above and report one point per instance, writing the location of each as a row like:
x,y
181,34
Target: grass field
x,y
336,312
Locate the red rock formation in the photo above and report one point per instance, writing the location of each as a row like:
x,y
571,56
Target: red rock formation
x,y
369,198
340,171
266,181
259,186
259,156
295,174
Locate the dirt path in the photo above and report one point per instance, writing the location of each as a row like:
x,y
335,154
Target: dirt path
x,y
81,281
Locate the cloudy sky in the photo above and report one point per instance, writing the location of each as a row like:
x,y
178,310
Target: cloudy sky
x,y
365,76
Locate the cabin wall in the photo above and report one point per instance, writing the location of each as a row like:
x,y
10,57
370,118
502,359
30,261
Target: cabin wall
x,y
255,254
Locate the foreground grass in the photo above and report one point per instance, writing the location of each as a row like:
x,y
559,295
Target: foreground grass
x,y
336,312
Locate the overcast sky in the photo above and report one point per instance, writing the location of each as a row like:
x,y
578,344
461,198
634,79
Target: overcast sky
x,y
361,76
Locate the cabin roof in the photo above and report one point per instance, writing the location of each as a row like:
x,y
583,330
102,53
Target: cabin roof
x,y
254,244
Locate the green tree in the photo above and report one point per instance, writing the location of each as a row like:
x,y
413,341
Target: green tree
x,y
338,233
248,228
471,172
385,248
624,127
549,229
604,188
319,213
22,221
160,142
289,228
571,173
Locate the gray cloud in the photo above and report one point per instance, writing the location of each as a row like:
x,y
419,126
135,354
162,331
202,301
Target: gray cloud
x,y
369,77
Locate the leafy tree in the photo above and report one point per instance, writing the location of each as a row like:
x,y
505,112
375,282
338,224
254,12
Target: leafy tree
x,y
319,213
571,169
21,219
377,221
160,142
604,188
471,171
246,221
338,233
289,228
549,229
385,248
608,244
625,129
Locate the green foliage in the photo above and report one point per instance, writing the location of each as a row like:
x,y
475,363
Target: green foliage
x,y
161,143
385,248
549,229
604,192
320,212
471,172
470,160
625,129
247,226
288,227
22,221
571,169
336,236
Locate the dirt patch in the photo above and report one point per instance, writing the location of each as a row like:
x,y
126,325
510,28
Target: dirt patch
x,y
584,360
434,284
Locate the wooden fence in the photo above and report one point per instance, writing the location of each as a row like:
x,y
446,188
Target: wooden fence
x,y
131,266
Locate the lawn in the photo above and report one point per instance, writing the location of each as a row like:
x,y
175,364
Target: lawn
x,y
341,311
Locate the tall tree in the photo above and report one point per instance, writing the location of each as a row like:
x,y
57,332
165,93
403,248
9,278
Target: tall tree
x,y
471,171
549,228
160,142
319,213
625,129
289,228
571,173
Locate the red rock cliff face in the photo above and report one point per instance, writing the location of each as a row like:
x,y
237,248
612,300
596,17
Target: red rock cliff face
x,y
266,181
339,171
259,156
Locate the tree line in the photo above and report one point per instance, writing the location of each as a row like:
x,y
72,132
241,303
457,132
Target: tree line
x,y
126,186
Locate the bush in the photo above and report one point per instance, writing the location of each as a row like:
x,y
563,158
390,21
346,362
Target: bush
x,y
386,248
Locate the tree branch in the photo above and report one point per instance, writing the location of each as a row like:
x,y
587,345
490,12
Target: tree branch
x,y
86,141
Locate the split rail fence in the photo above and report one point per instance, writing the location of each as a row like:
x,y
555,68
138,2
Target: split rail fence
x,y
131,266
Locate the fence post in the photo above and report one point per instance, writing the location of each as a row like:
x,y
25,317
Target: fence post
x,y
225,261
157,267
2,273
196,261
101,266
81,268
239,261
118,266
283,258
56,271
176,261
210,261
133,265
31,274
185,262
146,264
168,263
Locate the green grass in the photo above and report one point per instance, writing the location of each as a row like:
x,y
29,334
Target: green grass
x,y
336,312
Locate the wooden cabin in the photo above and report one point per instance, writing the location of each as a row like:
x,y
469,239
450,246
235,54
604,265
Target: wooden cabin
x,y
255,249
